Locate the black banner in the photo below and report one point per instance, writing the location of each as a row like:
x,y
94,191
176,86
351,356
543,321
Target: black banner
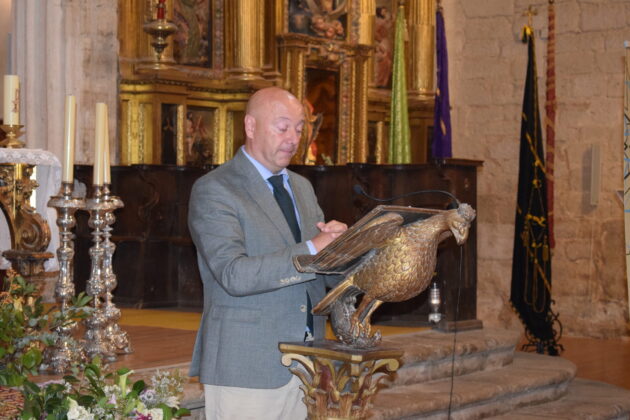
x,y
531,265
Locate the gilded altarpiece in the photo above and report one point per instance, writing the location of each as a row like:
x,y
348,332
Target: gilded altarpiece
x,y
185,104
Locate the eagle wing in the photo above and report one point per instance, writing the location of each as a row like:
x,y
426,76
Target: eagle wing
x,y
342,253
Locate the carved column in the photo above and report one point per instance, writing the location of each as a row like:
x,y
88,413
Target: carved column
x,y
367,9
421,27
339,382
293,49
245,43
363,73
274,24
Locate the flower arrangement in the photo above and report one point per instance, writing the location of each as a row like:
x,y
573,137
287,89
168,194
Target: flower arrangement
x,y
93,394
27,330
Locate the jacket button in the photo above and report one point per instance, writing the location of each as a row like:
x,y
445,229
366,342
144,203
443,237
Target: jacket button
x,y
303,308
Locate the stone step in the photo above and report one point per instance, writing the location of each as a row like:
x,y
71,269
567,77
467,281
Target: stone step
x,y
429,354
530,379
585,399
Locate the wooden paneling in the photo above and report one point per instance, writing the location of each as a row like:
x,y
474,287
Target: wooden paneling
x,y
155,260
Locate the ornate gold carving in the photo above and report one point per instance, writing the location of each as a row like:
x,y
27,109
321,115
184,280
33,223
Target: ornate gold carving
x,y
250,48
245,19
29,231
421,62
12,132
181,128
339,383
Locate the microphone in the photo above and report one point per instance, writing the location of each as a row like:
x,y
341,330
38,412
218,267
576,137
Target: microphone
x,y
358,189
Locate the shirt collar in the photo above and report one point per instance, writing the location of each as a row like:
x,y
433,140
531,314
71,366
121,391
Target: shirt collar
x,y
264,172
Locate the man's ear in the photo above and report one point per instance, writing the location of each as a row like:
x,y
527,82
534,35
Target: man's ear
x,y
250,126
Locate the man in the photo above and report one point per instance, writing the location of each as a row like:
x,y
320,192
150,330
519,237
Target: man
x,y
253,295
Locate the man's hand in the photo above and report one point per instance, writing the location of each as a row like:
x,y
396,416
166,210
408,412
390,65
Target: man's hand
x,y
328,232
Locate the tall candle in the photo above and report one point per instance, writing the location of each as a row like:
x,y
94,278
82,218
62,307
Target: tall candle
x,y
161,9
11,99
101,117
68,150
106,171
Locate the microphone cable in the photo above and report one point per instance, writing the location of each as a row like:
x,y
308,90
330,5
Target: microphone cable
x,y
459,289
358,189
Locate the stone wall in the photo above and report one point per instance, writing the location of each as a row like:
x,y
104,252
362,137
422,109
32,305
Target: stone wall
x,y
66,47
487,75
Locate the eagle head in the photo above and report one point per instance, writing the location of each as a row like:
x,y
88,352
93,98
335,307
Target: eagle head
x,y
459,222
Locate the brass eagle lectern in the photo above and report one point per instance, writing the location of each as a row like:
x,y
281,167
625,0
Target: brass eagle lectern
x,y
388,256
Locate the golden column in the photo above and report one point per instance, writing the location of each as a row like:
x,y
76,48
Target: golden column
x,y
367,9
364,75
421,67
274,24
245,41
293,50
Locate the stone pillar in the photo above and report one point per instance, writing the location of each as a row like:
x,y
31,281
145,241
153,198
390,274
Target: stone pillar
x,y
245,43
420,59
65,47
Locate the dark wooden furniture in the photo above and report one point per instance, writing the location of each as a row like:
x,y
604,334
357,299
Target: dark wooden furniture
x,y
155,260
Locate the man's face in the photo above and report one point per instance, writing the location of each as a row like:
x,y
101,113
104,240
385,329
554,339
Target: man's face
x,y
274,132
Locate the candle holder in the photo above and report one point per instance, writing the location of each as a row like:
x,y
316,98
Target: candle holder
x,y
13,132
65,352
116,336
97,343
160,29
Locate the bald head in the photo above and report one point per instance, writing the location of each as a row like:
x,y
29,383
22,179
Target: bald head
x,y
273,126
262,98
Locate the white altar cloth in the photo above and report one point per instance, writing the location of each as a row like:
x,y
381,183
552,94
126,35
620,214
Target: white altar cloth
x,y
49,180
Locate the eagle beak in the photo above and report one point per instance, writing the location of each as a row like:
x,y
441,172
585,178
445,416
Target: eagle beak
x,y
460,234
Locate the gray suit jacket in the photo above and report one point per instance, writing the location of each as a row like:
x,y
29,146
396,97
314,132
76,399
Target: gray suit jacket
x,y
253,295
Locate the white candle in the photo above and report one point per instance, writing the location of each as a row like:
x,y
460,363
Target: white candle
x,y
106,171
11,99
68,150
101,117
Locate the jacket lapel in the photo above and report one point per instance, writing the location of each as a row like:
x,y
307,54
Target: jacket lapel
x,y
260,193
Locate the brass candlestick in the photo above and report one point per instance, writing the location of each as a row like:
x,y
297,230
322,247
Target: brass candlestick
x,y
13,132
97,342
160,29
65,352
116,336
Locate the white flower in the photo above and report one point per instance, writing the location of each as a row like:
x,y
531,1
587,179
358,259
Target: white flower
x,y
156,413
172,401
77,412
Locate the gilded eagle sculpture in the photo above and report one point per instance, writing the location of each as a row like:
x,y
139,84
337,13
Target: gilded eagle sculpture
x,y
388,256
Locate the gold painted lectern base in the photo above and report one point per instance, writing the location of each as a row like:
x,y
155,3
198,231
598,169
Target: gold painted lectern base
x,y
339,381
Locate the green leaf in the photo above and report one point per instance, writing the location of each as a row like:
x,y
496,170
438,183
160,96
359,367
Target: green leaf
x,y
30,386
32,358
138,386
81,300
182,412
166,411
123,371
70,379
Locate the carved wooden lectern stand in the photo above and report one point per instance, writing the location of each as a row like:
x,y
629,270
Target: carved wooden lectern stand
x,y
339,381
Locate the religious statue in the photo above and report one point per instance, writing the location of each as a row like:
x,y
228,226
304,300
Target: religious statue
x,y
324,17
